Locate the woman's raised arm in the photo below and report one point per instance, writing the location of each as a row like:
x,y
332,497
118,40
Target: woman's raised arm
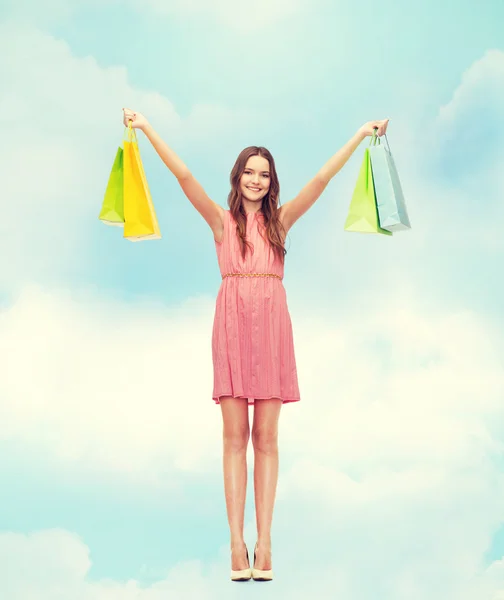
x,y
208,209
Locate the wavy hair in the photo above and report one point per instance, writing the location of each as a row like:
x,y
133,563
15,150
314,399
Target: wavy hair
x,y
275,232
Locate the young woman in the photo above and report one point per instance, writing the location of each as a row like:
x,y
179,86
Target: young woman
x,y
252,341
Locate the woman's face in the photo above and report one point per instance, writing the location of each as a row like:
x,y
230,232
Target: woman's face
x,y
255,181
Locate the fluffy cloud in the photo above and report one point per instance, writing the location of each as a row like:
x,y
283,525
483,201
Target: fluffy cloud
x,y
481,83
453,190
242,17
399,387
114,392
55,564
52,565
397,527
61,124
59,111
468,129
106,375
391,449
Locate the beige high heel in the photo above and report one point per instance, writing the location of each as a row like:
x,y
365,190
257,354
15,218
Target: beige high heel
x,y
257,574
244,574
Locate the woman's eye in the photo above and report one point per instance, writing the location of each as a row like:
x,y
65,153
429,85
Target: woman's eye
x,y
250,173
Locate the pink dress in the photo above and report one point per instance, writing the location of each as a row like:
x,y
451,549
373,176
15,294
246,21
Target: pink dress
x,y
252,341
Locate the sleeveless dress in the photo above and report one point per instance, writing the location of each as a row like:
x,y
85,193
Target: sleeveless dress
x,y
252,340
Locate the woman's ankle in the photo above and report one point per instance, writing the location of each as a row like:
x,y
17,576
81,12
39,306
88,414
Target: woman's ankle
x,y
264,543
238,545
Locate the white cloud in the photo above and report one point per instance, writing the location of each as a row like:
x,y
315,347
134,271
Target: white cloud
x,y
416,533
466,136
55,564
58,112
50,565
398,388
53,558
481,86
240,17
453,188
50,12
404,406
109,385
61,124
243,17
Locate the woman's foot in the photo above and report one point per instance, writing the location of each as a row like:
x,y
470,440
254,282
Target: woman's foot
x,y
239,558
240,565
262,569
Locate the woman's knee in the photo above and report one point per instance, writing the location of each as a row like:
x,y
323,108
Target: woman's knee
x,y
236,438
265,440
236,428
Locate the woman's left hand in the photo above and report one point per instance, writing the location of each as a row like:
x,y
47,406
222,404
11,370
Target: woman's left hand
x,y
369,128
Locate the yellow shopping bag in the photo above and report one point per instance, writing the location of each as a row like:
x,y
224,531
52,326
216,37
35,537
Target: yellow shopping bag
x,y
140,221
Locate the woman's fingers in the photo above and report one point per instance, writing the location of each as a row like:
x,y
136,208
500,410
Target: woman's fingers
x,y
128,118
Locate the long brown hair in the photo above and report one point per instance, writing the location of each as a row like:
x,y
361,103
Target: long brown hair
x,y
275,232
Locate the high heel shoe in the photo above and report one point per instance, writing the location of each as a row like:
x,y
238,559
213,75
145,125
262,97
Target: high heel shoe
x,y
257,574
244,574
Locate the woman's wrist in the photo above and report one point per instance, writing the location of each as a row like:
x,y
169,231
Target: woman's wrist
x,y
146,128
361,135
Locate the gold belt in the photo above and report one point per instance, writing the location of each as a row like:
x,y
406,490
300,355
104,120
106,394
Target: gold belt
x,y
251,275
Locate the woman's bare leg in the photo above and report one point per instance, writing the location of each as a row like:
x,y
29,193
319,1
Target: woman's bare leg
x,y
236,433
265,441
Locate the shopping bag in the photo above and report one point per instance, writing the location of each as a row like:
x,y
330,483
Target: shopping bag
x,y
112,210
363,214
392,213
140,220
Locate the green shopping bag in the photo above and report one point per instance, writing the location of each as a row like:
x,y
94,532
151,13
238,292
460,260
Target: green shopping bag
x,y
112,211
363,212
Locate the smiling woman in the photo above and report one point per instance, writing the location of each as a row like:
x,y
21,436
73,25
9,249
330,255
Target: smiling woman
x,y
256,178
255,189
252,339
111,425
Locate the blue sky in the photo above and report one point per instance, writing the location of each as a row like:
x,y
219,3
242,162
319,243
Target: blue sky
x,y
391,479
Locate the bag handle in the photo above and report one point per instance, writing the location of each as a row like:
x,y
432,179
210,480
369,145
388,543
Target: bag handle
x,y
375,138
129,133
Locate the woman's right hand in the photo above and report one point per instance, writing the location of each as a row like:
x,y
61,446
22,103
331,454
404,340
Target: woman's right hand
x,y
138,121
